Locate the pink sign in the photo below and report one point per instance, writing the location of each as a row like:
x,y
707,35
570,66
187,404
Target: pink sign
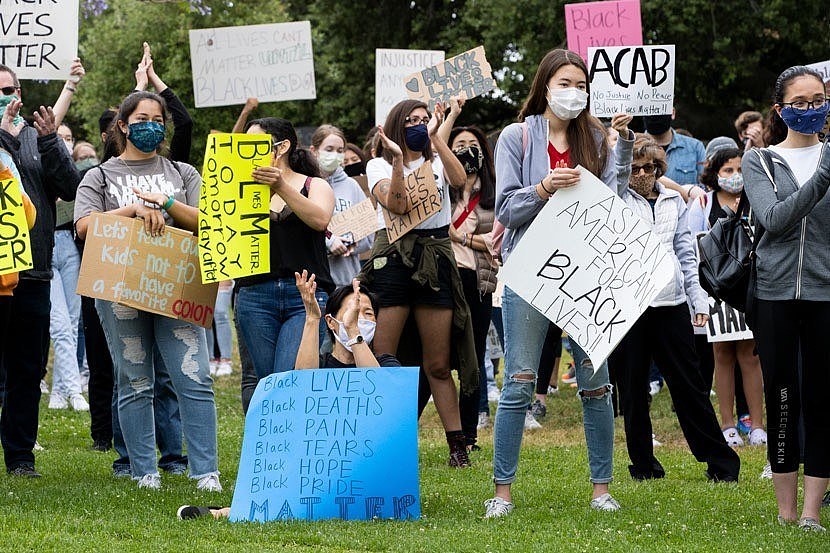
x,y
615,23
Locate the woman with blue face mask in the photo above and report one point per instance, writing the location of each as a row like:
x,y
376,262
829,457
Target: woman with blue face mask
x,y
142,184
787,187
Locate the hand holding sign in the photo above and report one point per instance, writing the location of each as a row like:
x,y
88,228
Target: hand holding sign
x,y
467,73
152,217
561,177
620,121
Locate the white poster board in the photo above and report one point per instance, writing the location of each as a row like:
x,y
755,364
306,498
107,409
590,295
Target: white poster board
x,y
635,79
823,68
272,62
726,324
391,67
39,40
590,265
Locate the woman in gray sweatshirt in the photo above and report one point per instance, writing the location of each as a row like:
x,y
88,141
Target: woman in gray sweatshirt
x,y
787,188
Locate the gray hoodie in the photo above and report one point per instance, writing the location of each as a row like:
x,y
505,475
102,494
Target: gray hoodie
x,y
518,171
793,256
346,194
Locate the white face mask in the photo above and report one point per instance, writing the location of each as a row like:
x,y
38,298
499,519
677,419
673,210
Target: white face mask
x,y
364,326
567,103
330,161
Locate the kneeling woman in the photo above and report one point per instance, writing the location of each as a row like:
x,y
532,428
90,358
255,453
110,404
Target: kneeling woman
x,y
169,196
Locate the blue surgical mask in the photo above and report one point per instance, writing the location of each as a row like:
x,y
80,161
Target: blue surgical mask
x,y
733,184
4,103
417,138
805,121
364,326
146,135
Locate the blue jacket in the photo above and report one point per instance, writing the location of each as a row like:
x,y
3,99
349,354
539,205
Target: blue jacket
x,y
685,157
518,172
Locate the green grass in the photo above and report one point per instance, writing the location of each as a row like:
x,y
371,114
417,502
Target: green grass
x,y
79,506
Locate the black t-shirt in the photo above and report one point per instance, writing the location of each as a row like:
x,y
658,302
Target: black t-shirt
x,y
716,212
328,361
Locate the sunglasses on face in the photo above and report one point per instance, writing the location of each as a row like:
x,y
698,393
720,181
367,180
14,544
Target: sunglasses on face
x,y
9,90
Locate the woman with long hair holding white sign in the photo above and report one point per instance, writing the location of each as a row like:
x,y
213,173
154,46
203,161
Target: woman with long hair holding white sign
x,y
664,333
535,158
416,273
142,184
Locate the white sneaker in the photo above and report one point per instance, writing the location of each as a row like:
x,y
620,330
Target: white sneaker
x,y
758,436
654,442
150,481
497,507
493,395
78,403
766,474
530,422
553,390
654,387
224,368
214,366
605,503
38,447
58,401
44,387
733,437
209,483
483,420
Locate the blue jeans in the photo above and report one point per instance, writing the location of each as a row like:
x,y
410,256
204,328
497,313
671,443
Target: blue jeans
x,y
65,314
222,321
271,316
131,336
525,330
168,423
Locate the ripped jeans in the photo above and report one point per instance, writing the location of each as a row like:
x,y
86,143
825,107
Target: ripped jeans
x,y
524,335
183,348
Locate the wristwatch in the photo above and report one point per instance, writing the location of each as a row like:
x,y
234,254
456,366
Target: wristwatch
x,y
356,340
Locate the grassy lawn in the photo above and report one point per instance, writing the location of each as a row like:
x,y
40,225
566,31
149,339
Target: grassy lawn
x,y
79,506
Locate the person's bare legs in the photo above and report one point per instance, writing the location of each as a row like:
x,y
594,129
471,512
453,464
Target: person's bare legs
x,y
725,381
390,323
434,328
753,381
814,490
786,493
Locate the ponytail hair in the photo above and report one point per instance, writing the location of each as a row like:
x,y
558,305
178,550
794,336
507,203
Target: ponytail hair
x,y
300,159
775,130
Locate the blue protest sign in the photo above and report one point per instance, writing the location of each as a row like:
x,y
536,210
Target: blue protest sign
x,y
331,443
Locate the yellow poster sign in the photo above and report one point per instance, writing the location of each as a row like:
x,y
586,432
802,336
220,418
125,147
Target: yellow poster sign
x,y
233,208
15,248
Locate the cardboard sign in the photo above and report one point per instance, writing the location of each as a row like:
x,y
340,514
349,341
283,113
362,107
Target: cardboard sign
x,y
233,208
391,69
39,39
272,63
468,72
590,265
356,223
15,248
331,443
424,198
64,212
726,324
124,264
637,80
603,24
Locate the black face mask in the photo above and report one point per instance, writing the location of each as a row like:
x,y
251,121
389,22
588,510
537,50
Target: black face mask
x,y
471,158
657,124
355,169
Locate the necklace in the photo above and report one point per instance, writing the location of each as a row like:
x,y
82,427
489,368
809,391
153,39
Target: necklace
x,y
127,165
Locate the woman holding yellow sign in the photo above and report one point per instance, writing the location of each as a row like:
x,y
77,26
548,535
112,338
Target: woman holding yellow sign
x,y
142,184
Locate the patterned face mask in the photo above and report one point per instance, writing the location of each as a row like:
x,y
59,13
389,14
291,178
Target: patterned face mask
x,y
642,184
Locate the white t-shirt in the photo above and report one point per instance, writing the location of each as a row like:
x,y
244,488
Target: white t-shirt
x,y
802,161
378,169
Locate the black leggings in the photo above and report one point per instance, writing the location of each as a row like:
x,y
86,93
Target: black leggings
x,y
781,327
481,308
551,351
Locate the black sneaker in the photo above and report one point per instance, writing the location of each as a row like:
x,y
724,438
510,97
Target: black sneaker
x,y
186,512
538,409
826,501
718,478
26,471
101,445
459,458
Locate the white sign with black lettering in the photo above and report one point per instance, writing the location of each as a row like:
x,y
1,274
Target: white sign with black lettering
x,y
391,67
272,62
726,324
634,79
39,39
590,265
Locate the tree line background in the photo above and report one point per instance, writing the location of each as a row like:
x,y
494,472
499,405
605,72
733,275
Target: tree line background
x,y
729,53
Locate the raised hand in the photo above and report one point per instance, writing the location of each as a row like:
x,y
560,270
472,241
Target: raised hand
x,y
45,121
352,313
388,144
307,285
619,122
436,119
76,71
7,122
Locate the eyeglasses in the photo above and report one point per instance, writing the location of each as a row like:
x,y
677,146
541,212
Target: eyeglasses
x,y
9,90
648,168
803,105
417,120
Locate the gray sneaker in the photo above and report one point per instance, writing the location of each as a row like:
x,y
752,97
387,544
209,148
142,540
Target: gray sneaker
x,y
811,525
497,508
538,409
605,503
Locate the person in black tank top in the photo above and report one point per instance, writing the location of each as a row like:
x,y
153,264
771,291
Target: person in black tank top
x,y
268,306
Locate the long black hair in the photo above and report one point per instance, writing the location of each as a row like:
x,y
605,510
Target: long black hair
x,y
709,177
487,174
775,131
299,159
127,107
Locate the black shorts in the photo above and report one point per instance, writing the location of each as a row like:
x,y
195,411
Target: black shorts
x,y
393,284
